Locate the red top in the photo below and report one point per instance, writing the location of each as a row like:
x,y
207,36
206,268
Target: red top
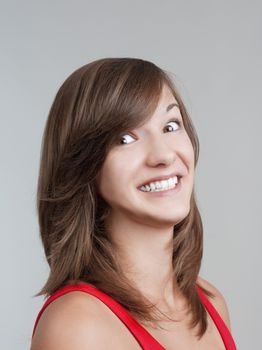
x,y
144,338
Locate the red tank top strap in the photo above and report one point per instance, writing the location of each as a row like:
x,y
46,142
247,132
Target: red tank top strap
x,y
221,326
144,338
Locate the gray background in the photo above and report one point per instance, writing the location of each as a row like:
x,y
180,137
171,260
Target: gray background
x,y
213,48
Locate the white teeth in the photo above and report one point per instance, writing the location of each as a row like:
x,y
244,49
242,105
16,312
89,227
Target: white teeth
x,y
170,182
160,185
152,185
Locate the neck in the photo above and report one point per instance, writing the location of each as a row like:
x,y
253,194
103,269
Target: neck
x,y
145,254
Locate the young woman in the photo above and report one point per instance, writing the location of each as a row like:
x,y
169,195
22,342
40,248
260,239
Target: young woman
x,y
118,217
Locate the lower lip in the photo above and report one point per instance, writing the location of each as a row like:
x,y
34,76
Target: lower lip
x,y
165,193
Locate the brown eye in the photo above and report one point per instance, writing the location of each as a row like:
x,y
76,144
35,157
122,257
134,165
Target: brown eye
x,y
174,122
123,137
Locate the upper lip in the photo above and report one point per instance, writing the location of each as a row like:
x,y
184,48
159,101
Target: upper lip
x,y
163,177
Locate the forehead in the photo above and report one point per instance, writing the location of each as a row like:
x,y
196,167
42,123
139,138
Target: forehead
x,y
167,101
166,92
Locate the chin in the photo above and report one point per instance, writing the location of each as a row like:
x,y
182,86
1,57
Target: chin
x,y
181,215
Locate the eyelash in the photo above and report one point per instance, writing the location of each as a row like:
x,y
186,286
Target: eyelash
x,y
173,120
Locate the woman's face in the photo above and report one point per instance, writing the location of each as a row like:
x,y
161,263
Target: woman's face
x,y
160,147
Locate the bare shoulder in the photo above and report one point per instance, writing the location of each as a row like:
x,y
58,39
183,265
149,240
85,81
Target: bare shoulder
x,y
73,321
218,301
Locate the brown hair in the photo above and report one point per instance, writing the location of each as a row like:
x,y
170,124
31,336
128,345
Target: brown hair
x,y
93,106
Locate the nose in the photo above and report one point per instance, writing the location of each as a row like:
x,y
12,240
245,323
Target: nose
x,y
160,152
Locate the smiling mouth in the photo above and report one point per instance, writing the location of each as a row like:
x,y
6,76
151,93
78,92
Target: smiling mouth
x,y
161,186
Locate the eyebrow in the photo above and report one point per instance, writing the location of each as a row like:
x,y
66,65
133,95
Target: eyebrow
x,y
171,106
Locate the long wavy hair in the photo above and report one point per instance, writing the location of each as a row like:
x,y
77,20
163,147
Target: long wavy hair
x,y
93,106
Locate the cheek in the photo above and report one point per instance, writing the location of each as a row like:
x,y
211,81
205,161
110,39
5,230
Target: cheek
x,y
189,151
111,175
121,163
